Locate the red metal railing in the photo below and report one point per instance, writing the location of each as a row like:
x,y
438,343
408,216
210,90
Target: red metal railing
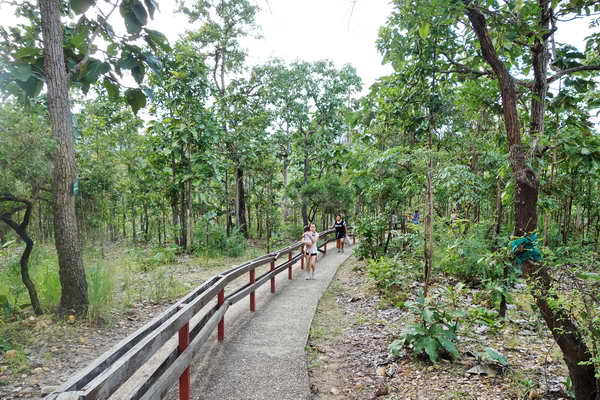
x,y
107,373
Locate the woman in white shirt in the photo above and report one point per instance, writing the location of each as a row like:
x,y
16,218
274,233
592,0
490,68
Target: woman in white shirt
x,y
310,240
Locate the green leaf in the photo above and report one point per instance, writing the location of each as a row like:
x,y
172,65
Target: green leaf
x,y
92,70
424,30
492,355
138,72
152,6
396,347
158,38
136,99
449,346
111,88
154,63
428,315
21,72
140,13
430,346
132,24
32,86
80,6
588,276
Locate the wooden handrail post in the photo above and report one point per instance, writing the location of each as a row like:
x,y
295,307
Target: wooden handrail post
x,y
290,267
184,379
353,237
302,258
252,294
272,278
221,329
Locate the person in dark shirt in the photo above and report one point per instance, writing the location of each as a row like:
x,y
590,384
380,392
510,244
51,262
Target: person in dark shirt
x,y
416,217
340,232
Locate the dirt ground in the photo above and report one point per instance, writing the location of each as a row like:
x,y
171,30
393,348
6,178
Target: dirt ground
x,y
349,359
58,349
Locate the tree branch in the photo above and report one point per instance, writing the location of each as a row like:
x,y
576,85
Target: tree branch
x,y
568,71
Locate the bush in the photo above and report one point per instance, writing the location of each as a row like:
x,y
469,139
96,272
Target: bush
x,y
216,241
371,229
468,257
156,256
432,335
387,273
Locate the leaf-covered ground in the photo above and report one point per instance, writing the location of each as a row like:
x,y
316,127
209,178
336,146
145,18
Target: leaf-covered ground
x,y
349,359
51,350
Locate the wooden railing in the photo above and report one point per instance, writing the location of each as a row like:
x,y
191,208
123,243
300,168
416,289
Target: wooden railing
x,y
106,374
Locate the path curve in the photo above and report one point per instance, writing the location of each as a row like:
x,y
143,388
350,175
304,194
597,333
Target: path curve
x,y
263,354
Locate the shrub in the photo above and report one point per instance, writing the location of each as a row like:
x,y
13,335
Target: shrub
x,y
432,335
216,241
156,256
386,272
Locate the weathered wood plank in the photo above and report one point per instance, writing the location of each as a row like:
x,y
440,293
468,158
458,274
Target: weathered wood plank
x,y
160,388
143,387
122,369
98,366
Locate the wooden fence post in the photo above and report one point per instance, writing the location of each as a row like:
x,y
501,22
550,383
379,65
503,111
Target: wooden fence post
x,y
290,267
302,259
272,278
221,329
252,294
184,379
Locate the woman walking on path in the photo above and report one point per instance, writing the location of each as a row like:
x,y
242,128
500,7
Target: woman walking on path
x,y
310,239
340,232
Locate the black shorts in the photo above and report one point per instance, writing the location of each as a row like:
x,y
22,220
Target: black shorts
x,y
340,234
311,254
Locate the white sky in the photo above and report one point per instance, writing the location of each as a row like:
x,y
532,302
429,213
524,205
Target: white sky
x,y
343,31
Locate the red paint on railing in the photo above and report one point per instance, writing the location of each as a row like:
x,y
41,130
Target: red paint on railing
x,y
273,278
221,301
252,294
184,380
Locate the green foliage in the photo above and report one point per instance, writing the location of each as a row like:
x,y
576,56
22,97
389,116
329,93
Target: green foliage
x,y
491,355
371,229
216,242
386,272
157,256
102,282
432,335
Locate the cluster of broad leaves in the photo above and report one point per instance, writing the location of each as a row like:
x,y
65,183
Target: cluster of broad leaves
x,y
88,62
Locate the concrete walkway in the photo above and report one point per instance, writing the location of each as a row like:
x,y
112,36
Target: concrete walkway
x,y
263,355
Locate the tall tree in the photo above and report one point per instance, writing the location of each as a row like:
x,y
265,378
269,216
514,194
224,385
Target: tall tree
x,y
62,58
225,24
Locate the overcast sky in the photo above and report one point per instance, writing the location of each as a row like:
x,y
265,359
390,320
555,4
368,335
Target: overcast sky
x,y
341,30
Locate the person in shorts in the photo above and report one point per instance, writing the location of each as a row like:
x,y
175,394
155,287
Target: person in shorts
x,y
340,232
310,239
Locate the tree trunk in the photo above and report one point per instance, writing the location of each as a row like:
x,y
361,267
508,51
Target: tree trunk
x,y
227,203
306,173
559,320
428,248
241,201
286,199
74,296
21,230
